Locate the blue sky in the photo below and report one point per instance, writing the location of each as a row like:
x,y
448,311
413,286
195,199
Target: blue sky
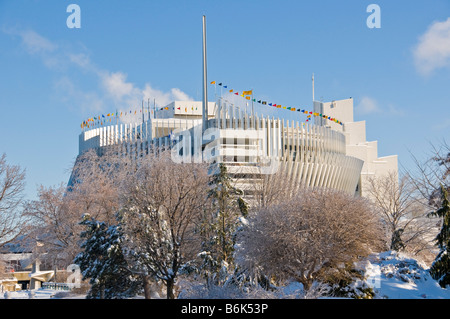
x,y
53,77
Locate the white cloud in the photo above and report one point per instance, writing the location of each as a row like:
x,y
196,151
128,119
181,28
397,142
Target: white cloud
x,y
69,93
367,105
433,50
163,98
117,86
35,43
113,91
179,95
80,59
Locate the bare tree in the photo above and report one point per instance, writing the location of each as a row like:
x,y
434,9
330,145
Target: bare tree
x,y
12,183
54,226
163,203
269,189
430,174
315,229
402,211
96,183
56,214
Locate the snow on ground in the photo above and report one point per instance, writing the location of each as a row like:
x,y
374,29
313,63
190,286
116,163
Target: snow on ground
x,y
394,275
41,294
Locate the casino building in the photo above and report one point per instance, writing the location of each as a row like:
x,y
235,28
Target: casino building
x,y
319,154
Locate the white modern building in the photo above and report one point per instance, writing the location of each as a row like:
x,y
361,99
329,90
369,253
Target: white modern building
x,y
323,154
355,141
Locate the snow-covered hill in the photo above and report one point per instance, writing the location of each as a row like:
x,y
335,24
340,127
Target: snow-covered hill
x,y
394,275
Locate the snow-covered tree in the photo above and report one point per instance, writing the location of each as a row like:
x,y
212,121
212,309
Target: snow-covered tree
x,y
162,205
300,238
433,172
395,200
103,263
55,225
12,184
440,269
94,189
219,225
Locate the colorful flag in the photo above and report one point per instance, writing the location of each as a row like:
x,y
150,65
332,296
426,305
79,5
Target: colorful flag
x,y
213,82
247,92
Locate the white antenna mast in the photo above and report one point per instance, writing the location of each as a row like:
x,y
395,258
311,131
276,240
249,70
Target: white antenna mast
x,y
205,87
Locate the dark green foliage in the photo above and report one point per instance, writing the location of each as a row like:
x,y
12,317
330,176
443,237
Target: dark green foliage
x,y
103,263
219,226
342,283
440,269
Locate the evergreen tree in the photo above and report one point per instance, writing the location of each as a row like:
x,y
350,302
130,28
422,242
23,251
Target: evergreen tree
x,y
219,226
440,269
103,263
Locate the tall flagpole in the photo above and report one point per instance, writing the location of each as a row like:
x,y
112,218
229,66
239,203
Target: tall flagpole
x,y
205,81
142,110
313,87
253,113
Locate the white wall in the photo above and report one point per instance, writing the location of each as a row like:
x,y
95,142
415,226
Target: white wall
x,y
356,144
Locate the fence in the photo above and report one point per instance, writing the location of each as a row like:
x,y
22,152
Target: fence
x,y
58,286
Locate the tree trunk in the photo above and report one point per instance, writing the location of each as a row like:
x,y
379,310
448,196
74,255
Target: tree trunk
x,y
147,287
170,283
306,284
102,291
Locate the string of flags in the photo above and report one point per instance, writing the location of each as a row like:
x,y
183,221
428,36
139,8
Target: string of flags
x,y
106,119
248,95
